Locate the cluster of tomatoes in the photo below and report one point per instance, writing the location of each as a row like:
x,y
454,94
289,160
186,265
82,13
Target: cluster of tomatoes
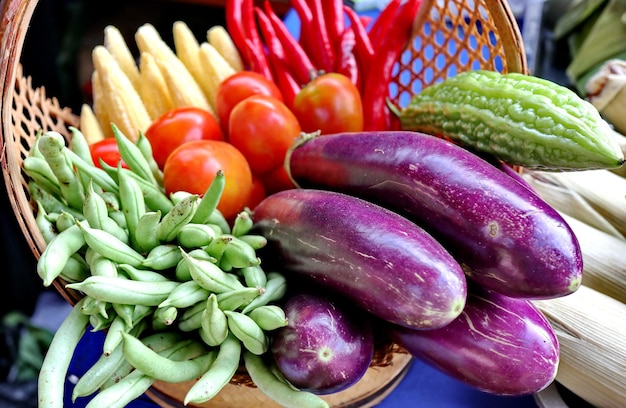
x,y
247,137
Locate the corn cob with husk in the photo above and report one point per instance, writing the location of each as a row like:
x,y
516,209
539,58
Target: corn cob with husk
x,y
591,328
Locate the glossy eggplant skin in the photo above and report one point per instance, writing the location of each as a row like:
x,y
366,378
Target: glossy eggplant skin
x,y
326,347
382,262
503,234
500,345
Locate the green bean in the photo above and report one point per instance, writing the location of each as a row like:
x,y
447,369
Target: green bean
x,y
142,275
39,171
163,317
146,231
162,368
219,373
210,276
182,269
255,241
121,393
154,197
133,157
144,146
162,257
132,202
239,254
110,246
56,254
192,317
51,380
213,325
52,146
254,276
247,331
269,317
185,295
96,213
46,226
277,390
242,224
179,216
51,202
195,235
119,290
275,289
217,218
237,298
210,199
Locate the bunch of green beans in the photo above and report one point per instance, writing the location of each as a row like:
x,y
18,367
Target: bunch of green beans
x,y
180,292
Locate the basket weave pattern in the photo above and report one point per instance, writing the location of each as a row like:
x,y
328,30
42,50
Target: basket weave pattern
x,y
449,36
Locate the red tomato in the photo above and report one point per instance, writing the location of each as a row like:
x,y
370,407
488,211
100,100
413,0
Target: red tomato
x,y
192,167
238,87
263,129
178,126
257,193
108,151
330,103
277,180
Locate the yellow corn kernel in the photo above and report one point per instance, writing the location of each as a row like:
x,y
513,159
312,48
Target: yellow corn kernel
x,y
218,37
216,67
125,107
89,125
183,87
117,46
100,104
153,88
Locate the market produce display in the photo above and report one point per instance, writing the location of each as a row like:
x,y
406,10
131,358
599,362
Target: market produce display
x,y
221,199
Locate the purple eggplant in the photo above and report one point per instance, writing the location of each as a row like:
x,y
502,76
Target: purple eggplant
x,y
503,234
500,345
376,258
326,346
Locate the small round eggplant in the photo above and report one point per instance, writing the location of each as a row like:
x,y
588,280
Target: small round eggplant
x,y
325,347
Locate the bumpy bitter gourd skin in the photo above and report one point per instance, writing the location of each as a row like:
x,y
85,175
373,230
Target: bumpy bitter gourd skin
x,y
521,119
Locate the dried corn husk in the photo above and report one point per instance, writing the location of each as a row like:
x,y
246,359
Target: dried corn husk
x,y
604,40
556,192
606,90
591,329
603,190
604,268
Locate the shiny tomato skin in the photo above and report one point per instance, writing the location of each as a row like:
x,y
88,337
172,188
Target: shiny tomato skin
x,y
178,126
263,128
257,192
330,103
238,87
192,167
277,180
107,150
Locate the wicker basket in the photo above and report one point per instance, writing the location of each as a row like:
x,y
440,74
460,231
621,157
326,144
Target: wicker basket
x,y
449,36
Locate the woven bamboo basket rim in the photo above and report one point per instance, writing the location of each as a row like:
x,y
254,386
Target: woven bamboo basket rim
x,y
448,36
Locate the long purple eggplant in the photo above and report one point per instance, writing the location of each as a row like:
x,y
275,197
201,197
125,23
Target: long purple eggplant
x,y
360,251
505,236
499,344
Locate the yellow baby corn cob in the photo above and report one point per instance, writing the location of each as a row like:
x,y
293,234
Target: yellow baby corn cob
x,y
117,46
124,105
100,105
216,67
153,88
89,125
184,89
223,43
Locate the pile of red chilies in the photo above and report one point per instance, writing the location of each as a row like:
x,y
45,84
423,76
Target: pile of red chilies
x,y
364,52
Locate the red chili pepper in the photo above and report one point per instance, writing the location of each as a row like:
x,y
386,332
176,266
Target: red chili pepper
x,y
306,23
258,59
322,51
346,60
268,34
363,50
287,84
381,27
299,61
376,113
335,24
235,27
